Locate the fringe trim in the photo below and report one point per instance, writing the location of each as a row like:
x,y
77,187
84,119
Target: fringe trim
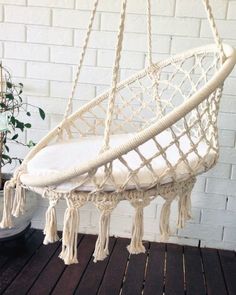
x,y
69,237
136,245
18,207
165,220
105,206
7,207
50,229
184,209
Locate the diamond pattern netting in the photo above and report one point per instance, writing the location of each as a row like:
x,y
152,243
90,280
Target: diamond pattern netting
x,y
146,99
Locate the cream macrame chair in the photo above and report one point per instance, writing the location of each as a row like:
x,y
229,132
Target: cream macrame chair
x,y
147,136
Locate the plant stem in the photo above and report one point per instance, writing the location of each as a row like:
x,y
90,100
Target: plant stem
x,y
1,136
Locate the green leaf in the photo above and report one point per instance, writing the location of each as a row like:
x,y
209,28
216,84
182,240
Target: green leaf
x,y
7,148
21,84
20,125
9,85
2,105
15,137
42,113
10,96
13,120
28,114
31,144
28,125
6,157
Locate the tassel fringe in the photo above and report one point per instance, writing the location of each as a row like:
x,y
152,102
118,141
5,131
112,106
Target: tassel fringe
x,y
69,237
165,220
8,196
184,209
50,229
101,248
18,207
136,245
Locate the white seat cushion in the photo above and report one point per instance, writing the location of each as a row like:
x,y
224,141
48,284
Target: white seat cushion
x,y
66,155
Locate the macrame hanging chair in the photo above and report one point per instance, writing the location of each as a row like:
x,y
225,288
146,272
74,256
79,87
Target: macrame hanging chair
x,y
145,137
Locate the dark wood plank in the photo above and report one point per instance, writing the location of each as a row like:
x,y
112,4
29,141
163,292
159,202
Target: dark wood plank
x,y
228,262
73,273
115,271
133,283
194,278
174,282
43,285
32,269
8,248
18,260
213,274
94,273
154,281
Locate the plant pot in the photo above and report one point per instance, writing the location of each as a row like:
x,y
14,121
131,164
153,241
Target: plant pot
x,y
21,223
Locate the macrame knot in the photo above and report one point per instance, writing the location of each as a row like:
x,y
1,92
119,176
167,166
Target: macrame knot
x,y
105,206
7,206
70,229
138,202
50,229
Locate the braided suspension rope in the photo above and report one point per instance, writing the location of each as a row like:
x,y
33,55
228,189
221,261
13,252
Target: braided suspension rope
x,y
149,30
115,75
214,30
86,40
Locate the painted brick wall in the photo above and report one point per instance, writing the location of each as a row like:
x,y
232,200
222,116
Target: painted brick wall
x,y
40,43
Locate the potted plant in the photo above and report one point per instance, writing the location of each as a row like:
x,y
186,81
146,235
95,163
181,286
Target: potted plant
x,y
11,126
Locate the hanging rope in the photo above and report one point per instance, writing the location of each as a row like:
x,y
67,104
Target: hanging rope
x,y
70,99
215,32
115,74
149,30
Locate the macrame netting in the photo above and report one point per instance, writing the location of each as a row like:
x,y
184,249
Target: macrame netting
x,y
179,97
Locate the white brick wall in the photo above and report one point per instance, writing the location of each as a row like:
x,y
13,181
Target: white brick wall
x,y
41,44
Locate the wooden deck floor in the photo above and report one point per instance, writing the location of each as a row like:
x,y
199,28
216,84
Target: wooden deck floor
x,y
33,268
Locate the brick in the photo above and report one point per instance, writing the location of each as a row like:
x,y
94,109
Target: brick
x,y
48,71
160,25
226,29
73,19
183,241
51,105
179,44
219,245
210,201
26,51
200,184
201,231
227,121
228,104
195,8
221,186
226,138
229,234
12,32
129,60
159,7
52,3
35,134
218,217
63,90
28,15
48,35
16,67
95,75
71,55
228,155
231,10
230,86
233,176
221,170
231,204
35,87
132,42
13,2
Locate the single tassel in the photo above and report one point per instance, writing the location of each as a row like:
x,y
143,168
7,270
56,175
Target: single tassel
x,y
18,207
7,207
101,248
50,229
136,244
165,220
184,209
69,237
70,230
